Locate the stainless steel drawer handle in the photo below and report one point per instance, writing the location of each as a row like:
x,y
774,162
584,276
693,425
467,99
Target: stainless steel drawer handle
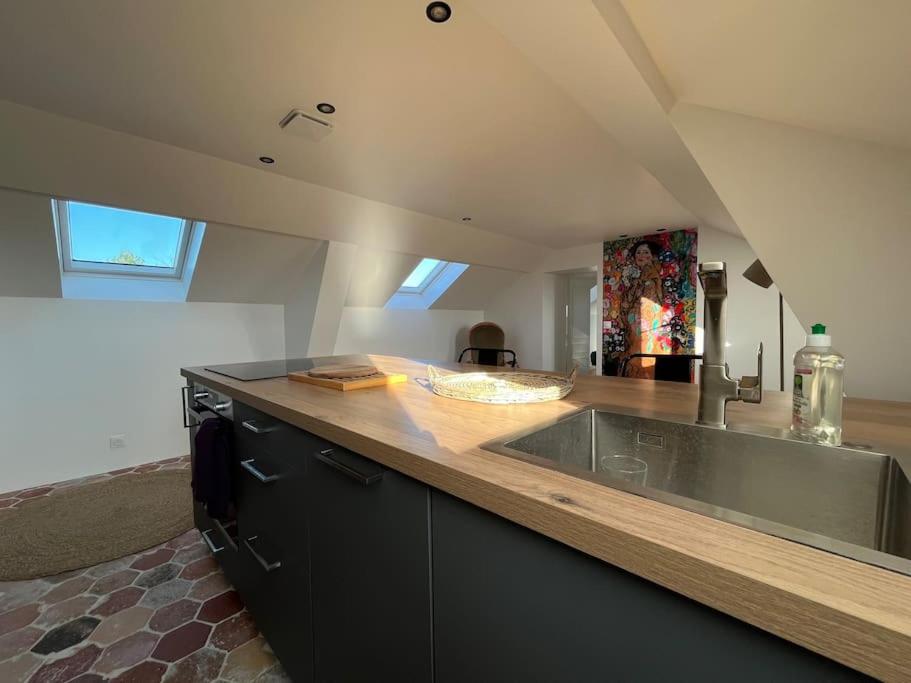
x,y
212,547
263,562
255,428
200,394
257,474
225,535
365,479
184,392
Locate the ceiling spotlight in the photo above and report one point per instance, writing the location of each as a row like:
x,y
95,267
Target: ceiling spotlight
x,y
325,108
466,218
438,12
267,160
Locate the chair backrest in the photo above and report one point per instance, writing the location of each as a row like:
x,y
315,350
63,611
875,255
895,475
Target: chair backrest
x,y
482,356
668,367
484,337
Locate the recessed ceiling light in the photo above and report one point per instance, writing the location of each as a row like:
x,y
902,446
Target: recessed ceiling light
x,y
466,218
267,160
326,108
438,12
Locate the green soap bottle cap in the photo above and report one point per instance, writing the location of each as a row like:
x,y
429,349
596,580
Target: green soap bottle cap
x,y
819,328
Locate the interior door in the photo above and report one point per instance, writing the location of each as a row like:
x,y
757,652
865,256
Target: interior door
x,y
578,321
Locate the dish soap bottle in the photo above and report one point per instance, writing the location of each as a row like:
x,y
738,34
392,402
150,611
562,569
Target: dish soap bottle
x,y
818,389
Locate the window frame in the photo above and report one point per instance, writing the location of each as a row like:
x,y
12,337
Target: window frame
x,y
428,280
77,267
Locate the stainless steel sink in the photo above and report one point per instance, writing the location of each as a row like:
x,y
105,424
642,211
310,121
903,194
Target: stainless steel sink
x,y
849,501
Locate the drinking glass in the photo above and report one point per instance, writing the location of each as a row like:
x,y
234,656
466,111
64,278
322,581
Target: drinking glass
x,y
625,467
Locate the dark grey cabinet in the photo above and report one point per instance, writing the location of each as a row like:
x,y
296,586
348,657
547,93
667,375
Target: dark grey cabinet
x,y
370,553
512,605
354,572
273,534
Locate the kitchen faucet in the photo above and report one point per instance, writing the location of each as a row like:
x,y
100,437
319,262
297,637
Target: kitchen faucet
x,y
716,387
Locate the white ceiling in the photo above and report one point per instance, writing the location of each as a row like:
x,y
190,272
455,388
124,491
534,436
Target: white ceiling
x,y
29,264
588,49
376,275
475,288
837,66
250,266
450,120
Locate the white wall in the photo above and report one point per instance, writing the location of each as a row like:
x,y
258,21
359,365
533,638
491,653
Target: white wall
x,y
526,312
76,372
752,312
430,334
341,259
831,220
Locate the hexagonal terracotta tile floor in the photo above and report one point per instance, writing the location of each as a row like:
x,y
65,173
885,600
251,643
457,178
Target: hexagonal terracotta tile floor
x,y
166,614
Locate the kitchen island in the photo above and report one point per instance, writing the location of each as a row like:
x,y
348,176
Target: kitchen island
x,y
852,613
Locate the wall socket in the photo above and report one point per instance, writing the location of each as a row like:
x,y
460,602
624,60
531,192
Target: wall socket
x,y
118,441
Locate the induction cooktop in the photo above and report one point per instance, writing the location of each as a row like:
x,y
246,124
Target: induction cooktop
x,y
267,369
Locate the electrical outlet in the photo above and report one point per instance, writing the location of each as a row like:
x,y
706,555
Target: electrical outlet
x,y
118,441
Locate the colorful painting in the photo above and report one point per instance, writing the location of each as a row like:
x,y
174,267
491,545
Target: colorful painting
x,y
649,299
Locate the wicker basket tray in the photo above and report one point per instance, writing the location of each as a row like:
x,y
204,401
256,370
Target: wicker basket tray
x,y
501,387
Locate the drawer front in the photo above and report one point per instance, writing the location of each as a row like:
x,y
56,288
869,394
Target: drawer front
x,y
222,540
255,429
273,535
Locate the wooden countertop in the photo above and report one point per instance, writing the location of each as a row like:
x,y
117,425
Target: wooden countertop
x,y
857,614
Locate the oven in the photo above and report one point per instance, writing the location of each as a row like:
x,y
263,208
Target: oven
x,y
199,404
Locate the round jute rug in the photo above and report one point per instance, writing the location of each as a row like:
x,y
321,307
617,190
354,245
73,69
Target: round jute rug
x,y
87,525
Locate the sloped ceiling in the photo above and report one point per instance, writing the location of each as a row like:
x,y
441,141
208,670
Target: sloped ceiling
x,y
448,120
595,69
799,114
28,246
836,66
240,265
377,274
475,288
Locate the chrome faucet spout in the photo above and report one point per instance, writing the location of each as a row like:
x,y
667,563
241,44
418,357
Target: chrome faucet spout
x,y
716,387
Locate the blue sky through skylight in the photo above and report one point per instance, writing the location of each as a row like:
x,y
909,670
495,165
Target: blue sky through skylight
x,y
420,273
101,234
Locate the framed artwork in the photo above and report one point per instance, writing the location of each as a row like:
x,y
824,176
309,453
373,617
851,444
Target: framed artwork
x,y
649,299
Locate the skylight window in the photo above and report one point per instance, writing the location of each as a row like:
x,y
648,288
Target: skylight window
x,y
426,283
108,253
422,275
101,239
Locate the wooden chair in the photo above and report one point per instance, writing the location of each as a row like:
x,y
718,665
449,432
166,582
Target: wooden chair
x,y
487,346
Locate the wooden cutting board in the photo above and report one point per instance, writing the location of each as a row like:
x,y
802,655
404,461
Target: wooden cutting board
x,y
380,379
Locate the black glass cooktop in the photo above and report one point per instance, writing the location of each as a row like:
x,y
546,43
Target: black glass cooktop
x,y
268,369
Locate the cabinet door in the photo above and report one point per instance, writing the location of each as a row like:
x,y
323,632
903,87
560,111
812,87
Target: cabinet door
x,y
512,605
371,571
273,535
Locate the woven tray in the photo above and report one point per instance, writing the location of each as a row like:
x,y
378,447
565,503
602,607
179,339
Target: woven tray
x,y
501,387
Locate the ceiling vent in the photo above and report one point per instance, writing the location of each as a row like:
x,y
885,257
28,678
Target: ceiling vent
x,y
305,125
